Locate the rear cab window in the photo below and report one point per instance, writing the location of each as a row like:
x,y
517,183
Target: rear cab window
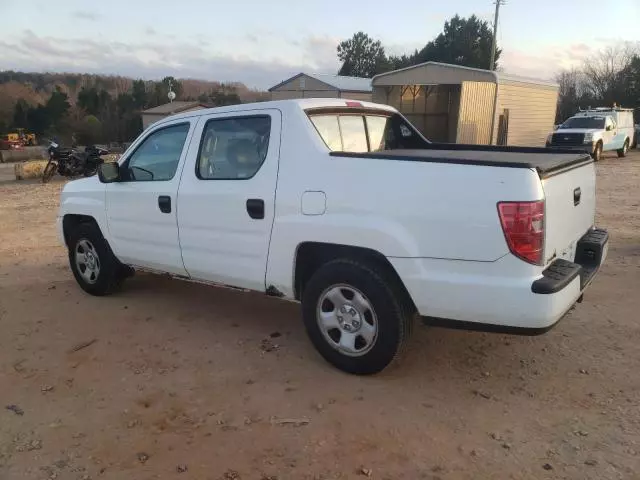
x,y
364,130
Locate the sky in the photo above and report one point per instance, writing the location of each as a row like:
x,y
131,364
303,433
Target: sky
x,y
261,43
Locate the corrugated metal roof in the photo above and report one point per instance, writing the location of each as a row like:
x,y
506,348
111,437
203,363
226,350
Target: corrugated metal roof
x,y
173,107
339,82
491,76
351,84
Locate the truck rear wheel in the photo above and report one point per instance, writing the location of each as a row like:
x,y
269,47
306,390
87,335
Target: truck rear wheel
x,y
92,262
623,151
355,317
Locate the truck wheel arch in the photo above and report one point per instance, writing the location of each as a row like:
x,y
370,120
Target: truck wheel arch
x,y
312,255
72,221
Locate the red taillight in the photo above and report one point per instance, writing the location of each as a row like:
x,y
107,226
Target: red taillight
x,y
353,104
523,227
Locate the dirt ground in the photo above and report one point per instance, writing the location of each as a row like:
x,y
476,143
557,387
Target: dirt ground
x,y
175,380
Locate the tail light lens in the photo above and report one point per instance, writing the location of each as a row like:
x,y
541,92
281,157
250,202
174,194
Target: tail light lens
x,y
523,227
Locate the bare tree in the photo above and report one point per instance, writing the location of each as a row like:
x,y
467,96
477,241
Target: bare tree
x,y
603,72
570,93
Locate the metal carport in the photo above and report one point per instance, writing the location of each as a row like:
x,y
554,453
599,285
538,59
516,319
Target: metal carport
x,y
451,103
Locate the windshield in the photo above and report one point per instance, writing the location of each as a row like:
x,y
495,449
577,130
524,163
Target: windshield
x,y
583,122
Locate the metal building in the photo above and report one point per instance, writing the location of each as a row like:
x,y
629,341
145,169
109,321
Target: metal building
x,y
315,85
450,103
154,114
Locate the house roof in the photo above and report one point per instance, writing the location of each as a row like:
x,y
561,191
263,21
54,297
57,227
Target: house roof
x,y
173,107
339,82
463,74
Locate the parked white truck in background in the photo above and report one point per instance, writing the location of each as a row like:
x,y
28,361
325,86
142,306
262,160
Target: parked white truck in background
x,y
596,131
345,207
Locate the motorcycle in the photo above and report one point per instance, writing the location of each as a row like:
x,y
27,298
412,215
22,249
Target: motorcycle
x,y
69,162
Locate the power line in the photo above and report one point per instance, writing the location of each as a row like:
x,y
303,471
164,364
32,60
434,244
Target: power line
x,y
492,65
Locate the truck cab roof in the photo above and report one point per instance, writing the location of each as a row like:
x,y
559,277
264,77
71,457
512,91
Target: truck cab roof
x,y
283,105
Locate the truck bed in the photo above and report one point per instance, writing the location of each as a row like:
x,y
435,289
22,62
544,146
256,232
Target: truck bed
x,y
546,161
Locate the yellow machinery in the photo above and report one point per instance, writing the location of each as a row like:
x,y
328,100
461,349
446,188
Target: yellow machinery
x,y
26,139
20,138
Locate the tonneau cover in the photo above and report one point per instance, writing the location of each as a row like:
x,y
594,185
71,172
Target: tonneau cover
x,y
545,160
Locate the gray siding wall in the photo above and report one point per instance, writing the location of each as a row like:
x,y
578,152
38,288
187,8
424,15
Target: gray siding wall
x,y
361,96
289,94
310,83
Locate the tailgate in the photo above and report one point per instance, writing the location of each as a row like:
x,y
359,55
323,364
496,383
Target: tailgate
x,y
570,203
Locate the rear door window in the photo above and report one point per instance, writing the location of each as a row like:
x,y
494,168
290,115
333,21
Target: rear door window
x,y
233,148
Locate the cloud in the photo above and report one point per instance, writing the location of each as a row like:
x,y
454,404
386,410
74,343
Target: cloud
x,y
400,49
547,61
158,56
86,15
260,65
150,31
321,51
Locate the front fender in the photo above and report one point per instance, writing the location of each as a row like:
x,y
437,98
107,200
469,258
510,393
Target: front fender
x,y
84,197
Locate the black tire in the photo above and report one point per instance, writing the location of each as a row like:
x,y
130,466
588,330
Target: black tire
x,y
390,312
597,152
111,273
49,171
623,151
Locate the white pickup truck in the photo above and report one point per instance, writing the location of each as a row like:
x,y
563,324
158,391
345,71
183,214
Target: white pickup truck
x,y
347,208
596,131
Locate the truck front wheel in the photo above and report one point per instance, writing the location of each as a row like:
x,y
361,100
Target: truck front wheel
x,y
355,317
625,148
92,262
597,152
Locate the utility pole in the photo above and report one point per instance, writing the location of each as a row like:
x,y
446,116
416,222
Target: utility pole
x,y
492,65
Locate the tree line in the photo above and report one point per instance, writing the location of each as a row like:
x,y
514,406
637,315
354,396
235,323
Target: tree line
x,y
611,76
97,115
463,41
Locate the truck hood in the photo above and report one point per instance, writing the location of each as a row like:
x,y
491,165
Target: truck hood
x,y
83,184
578,130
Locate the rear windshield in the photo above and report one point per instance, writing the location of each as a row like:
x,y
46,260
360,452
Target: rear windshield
x,y
365,131
583,122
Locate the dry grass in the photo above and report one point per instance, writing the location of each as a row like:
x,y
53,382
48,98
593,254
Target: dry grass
x,y
29,169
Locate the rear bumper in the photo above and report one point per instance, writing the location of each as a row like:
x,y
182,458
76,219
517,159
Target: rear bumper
x,y
499,295
591,251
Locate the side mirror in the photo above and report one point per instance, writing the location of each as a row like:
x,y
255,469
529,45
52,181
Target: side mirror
x,y
109,172
609,128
